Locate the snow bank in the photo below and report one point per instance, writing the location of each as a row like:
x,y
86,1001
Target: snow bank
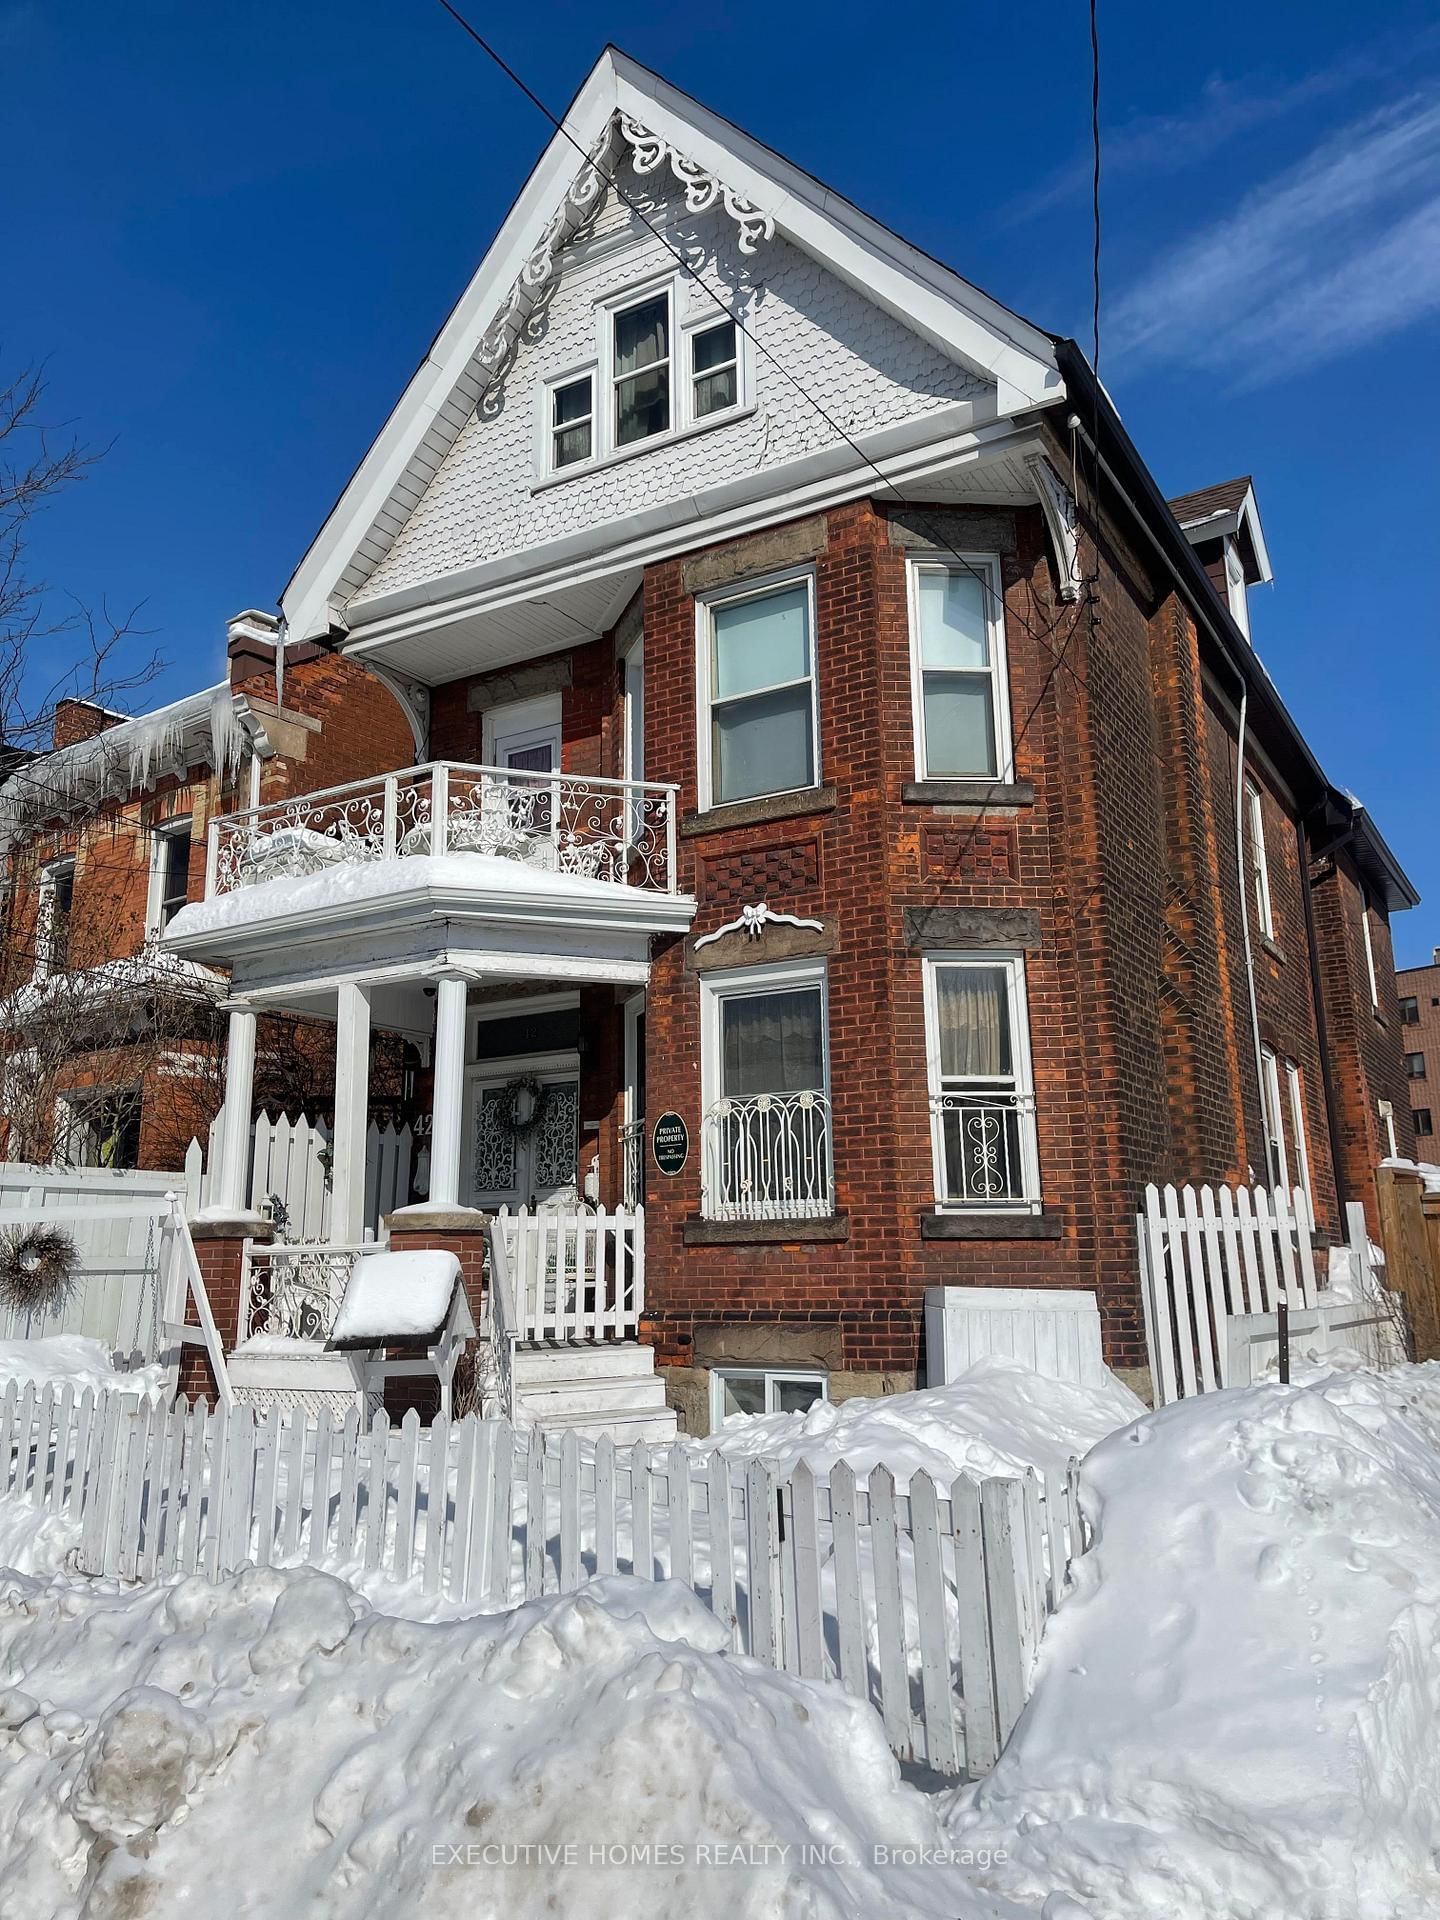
x,y
270,1746
999,1416
72,1358
1236,1711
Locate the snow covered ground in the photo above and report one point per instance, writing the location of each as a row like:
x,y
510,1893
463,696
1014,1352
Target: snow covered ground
x,y
999,1417
1234,1717
70,1359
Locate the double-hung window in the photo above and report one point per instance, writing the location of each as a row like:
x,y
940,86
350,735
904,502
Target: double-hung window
x,y
572,421
169,874
1368,940
766,1083
982,1103
57,902
714,369
1259,874
1287,1161
758,722
958,676
640,369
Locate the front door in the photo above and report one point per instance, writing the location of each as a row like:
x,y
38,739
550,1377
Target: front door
x,y
522,1136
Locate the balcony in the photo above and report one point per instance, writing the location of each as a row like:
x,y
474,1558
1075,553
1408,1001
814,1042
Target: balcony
x,y
494,870
618,831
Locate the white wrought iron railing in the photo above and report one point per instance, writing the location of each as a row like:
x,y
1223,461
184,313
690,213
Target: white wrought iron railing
x,y
632,1162
617,830
293,1290
985,1148
767,1157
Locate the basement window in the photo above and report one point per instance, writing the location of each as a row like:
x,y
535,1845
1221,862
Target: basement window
x,y
738,1393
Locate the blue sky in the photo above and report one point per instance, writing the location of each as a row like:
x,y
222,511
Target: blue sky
x,y
233,231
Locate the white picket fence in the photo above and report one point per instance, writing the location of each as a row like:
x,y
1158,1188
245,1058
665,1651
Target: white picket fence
x,y
928,1602
117,1222
290,1162
1216,1265
574,1274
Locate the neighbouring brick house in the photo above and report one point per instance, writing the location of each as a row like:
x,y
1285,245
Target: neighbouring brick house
x,y
1419,990
112,1046
981,876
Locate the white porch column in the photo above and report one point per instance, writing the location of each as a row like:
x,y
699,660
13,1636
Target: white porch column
x,y
352,1110
449,1097
230,1194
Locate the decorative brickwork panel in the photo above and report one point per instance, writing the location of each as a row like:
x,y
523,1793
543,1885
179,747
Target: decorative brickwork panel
x,y
970,852
773,873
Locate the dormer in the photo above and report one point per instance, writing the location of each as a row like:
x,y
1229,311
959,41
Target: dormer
x,y
1222,523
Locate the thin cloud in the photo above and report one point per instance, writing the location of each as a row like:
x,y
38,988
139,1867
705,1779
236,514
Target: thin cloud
x,y
1330,255
1171,142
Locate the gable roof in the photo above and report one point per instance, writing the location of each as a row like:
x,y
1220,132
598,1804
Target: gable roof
x,y
1227,508
713,160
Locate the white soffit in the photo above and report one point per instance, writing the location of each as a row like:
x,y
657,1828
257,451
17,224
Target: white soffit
x,y
944,309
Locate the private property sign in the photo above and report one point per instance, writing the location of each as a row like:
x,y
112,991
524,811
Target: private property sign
x,y
670,1143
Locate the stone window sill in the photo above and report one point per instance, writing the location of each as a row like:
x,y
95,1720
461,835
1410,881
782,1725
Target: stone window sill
x,y
990,1226
749,813
968,793
1275,951
741,1233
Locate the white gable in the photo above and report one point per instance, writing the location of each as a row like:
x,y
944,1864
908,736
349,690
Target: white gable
x,y
882,337
851,359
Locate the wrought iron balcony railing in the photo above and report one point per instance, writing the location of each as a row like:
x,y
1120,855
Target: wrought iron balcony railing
x,y
985,1148
767,1157
616,830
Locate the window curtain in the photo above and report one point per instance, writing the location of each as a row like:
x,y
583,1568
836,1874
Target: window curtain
x,y
974,1016
771,1043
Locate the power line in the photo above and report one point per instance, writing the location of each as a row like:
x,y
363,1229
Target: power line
x,y
931,532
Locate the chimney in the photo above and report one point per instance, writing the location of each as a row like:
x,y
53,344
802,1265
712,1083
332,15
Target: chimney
x,y
80,720
250,645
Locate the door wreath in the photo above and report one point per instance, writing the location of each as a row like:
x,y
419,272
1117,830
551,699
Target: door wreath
x,y
509,1104
39,1269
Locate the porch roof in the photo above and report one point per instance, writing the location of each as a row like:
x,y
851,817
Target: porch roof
x,y
473,912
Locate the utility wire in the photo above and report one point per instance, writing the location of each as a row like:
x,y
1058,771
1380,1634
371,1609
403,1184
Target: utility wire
x,y
931,532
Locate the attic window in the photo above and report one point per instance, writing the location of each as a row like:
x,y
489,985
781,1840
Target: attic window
x,y
642,370
572,422
714,368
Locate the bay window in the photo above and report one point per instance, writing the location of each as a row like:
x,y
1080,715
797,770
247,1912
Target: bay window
x,y
982,1102
758,722
958,676
765,1080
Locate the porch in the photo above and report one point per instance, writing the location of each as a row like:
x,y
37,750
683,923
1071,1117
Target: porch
x,y
499,921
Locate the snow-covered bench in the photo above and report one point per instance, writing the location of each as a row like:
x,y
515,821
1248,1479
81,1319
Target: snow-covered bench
x,y
415,1301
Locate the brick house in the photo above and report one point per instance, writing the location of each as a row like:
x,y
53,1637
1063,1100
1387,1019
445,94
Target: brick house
x,y
113,1046
854,817
1419,990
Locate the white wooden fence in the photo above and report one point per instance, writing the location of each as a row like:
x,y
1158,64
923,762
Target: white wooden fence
x,y
116,1220
290,1162
1216,1265
1055,1331
927,1602
574,1274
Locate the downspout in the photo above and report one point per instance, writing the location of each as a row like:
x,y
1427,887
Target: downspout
x,y
1076,425
1322,1025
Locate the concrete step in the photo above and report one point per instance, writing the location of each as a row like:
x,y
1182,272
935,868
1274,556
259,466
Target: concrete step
x,y
602,1397
609,1360
656,1426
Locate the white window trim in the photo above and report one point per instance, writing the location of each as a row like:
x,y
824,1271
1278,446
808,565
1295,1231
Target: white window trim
x,y
772,1376
45,914
545,420
154,898
600,368
1257,877
1235,593
1295,1090
489,1010
705,605
734,982
541,715
1387,1113
1369,953
987,564
1272,1119
1014,964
